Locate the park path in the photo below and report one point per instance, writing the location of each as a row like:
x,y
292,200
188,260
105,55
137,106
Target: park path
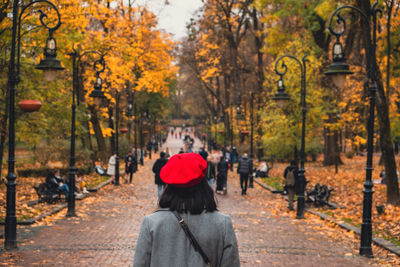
x,y
106,230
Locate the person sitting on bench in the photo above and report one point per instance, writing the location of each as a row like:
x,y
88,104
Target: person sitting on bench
x,y
55,183
262,170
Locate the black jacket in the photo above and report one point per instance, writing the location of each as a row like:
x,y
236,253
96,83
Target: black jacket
x,y
157,169
245,166
222,167
204,154
130,163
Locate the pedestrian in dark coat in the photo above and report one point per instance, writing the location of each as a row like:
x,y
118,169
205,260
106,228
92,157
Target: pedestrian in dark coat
x,y
291,175
149,148
130,165
210,172
222,176
244,169
187,201
157,169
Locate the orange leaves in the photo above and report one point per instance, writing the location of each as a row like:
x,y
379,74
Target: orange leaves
x,y
348,184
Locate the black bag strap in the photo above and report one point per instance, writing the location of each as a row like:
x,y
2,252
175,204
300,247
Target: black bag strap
x,y
192,239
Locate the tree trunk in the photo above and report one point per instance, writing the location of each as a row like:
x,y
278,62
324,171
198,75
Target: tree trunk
x,y
111,125
101,144
259,43
331,144
382,107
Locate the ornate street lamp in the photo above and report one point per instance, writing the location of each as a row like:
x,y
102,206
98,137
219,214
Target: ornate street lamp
x,y
281,96
338,70
10,229
76,60
97,94
50,64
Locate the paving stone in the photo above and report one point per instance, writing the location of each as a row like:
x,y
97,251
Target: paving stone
x,y
106,234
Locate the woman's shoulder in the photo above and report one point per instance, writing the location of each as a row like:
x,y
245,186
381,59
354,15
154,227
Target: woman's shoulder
x,y
161,215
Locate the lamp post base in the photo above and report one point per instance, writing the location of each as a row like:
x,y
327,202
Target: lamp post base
x,y
300,207
10,246
366,252
71,214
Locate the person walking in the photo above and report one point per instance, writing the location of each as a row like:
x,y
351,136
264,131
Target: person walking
x,y
187,229
157,169
222,176
244,170
130,166
291,175
210,172
149,147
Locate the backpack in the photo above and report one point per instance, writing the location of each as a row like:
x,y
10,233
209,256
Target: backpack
x,y
290,180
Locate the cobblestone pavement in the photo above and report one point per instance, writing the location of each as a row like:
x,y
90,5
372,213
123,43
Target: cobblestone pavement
x,y
106,230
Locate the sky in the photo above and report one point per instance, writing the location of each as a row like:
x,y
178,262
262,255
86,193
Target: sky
x,y
174,15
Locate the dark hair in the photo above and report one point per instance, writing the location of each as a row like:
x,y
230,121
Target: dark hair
x,y
293,163
193,199
162,154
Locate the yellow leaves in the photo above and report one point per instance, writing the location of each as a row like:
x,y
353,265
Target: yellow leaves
x,y
325,9
107,132
358,140
209,73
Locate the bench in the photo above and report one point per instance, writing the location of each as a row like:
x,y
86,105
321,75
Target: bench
x,y
45,194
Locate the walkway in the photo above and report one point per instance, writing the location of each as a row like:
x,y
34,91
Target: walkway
x,y
106,230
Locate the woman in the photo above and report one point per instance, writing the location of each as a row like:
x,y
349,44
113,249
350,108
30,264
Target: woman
x,y
111,167
210,171
187,201
222,176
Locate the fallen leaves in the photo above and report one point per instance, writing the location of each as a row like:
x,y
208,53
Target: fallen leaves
x,y
348,184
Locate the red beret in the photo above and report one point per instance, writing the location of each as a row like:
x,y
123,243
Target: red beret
x,y
184,170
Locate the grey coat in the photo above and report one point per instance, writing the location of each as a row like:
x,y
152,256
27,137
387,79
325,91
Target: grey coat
x,y
162,242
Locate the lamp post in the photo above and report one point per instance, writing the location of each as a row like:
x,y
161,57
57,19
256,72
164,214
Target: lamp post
x,y
281,97
76,59
141,139
135,125
98,95
128,113
338,71
215,120
49,64
209,146
116,138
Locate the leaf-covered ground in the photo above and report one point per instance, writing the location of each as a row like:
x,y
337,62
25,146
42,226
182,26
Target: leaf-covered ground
x,y
26,193
348,184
